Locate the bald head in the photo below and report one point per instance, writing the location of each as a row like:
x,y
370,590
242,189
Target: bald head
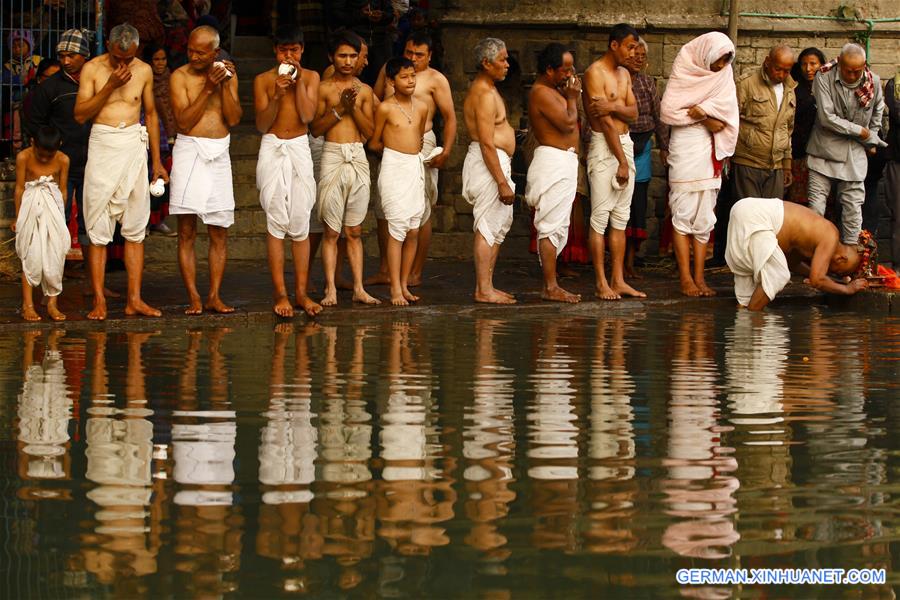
x,y
203,45
852,63
205,34
778,63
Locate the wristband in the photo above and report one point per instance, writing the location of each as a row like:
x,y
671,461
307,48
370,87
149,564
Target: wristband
x,y
336,114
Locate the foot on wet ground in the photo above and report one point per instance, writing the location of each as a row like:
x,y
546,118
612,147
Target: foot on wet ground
x,y
216,305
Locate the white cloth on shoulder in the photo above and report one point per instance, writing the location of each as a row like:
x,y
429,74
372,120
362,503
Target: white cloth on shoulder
x,y
200,181
42,238
752,251
344,182
116,184
492,218
287,188
429,143
401,185
610,200
550,191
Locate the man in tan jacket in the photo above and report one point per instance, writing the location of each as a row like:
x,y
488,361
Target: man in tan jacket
x,y
762,159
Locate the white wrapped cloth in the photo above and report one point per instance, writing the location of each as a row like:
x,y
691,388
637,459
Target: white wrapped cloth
x,y
752,252
42,238
492,218
550,191
344,182
693,182
116,184
401,185
429,143
610,201
287,188
201,182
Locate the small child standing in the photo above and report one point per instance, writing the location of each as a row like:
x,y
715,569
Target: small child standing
x,y
399,126
42,238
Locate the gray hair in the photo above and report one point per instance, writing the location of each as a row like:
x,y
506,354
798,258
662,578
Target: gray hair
x,y
124,36
851,49
643,44
488,49
782,49
211,31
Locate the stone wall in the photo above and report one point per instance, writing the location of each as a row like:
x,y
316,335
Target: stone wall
x,y
528,25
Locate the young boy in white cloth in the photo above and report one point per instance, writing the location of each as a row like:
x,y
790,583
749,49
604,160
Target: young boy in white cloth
x,y
285,100
399,127
42,238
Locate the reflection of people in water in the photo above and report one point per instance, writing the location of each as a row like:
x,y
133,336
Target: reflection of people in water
x,y
44,410
488,446
699,489
415,495
611,488
121,546
208,526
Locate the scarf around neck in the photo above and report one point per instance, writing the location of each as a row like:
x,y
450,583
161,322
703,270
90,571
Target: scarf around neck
x,y
864,89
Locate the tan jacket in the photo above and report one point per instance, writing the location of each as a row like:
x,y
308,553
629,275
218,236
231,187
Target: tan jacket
x,y
764,137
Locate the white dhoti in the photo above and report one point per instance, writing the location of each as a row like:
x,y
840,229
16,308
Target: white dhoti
x,y
429,143
344,181
693,183
550,191
116,185
42,238
610,201
315,151
401,185
752,252
287,189
492,218
201,182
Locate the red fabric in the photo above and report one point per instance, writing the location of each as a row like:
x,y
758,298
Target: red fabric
x,y
891,279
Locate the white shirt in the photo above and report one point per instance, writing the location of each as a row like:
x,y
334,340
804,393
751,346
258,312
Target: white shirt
x,y
779,94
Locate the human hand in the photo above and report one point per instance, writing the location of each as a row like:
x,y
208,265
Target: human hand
x,y
600,107
159,172
572,87
864,134
713,125
348,99
788,177
507,195
622,173
857,285
872,151
215,76
282,83
695,112
120,76
439,161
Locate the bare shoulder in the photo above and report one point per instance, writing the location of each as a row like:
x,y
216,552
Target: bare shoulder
x,y
62,158
310,77
23,157
383,109
622,74
265,77
365,90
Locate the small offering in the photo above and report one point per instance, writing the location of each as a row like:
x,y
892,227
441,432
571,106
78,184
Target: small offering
x,y
287,69
158,188
220,64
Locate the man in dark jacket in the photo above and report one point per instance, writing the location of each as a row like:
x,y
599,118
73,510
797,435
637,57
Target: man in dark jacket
x,y
892,169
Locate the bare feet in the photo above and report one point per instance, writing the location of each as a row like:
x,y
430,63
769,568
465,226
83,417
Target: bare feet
x,y
330,298
623,289
604,292
705,290
282,307
507,294
410,297
99,311
53,311
494,296
216,305
141,308
195,307
379,278
689,288
398,299
362,296
29,314
557,294
308,305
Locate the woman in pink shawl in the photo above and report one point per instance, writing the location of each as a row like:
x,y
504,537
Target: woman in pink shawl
x,y
700,102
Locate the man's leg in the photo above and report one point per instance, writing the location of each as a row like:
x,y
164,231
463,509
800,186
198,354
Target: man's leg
x,y
551,289
682,245
597,243
818,190
218,254
354,251
28,311
383,274
871,208
485,261
699,264
134,265
97,267
407,256
275,252
300,254
329,264
758,300
187,261
415,276
394,255
616,240
852,195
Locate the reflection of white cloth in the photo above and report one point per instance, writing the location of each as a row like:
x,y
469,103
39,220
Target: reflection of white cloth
x,y
344,181
116,184
42,238
429,143
44,413
201,182
752,252
612,431
492,218
610,201
401,186
119,451
287,445
755,359
551,187
553,421
204,452
287,188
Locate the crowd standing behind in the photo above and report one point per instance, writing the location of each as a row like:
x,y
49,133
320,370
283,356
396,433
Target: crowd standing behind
x,y
799,135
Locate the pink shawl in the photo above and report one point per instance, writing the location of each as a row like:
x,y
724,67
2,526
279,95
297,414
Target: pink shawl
x,y
693,84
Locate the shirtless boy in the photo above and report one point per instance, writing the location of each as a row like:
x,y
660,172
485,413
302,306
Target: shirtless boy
x,y
611,106
113,90
285,100
399,127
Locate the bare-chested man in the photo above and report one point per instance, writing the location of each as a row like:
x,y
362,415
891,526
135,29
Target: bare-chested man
x,y
432,88
206,105
345,117
553,173
285,100
611,107
766,234
487,171
113,89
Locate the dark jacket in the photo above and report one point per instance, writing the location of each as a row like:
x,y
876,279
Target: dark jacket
x,y
53,103
893,106
804,119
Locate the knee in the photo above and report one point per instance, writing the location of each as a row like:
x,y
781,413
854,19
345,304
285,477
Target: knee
x,y
330,234
353,233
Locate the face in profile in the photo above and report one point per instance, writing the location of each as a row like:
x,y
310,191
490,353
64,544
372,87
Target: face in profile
x,y
497,68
